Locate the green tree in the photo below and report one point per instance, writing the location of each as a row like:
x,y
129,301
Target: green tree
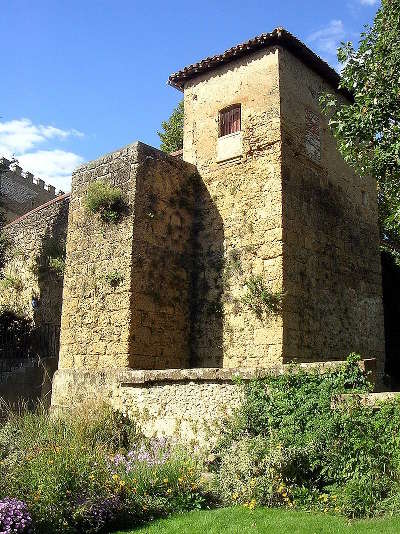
x,y
368,129
172,134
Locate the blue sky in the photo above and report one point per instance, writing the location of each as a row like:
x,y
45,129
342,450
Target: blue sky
x,y
82,77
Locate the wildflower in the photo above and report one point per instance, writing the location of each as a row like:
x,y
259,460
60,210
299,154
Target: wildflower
x,y
252,504
165,480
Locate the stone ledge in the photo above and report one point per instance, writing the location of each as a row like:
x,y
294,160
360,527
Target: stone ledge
x,y
131,377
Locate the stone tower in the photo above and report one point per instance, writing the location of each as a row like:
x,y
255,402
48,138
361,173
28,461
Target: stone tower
x,y
292,213
260,248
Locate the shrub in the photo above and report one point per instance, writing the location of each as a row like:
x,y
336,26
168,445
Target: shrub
x,y
104,200
288,439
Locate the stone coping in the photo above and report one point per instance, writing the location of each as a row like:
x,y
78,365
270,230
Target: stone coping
x,y
131,377
60,198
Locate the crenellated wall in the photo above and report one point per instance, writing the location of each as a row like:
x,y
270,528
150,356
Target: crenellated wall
x,y
21,191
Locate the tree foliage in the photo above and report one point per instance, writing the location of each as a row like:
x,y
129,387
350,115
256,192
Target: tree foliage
x,y
172,134
368,129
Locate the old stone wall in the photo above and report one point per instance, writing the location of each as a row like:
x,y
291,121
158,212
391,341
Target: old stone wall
x,y
144,320
27,275
189,404
239,217
331,261
27,365
21,191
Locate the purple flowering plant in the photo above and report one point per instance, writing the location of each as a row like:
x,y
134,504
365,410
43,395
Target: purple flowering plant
x,y
158,477
96,516
14,517
155,452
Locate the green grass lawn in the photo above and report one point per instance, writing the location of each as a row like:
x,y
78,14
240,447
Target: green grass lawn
x,y
239,520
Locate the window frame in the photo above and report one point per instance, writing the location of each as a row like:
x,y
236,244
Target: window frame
x,y
231,121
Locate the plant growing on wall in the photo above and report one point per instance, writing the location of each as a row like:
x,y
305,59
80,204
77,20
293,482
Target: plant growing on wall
x,y
57,265
10,281
51,259
104,200
260,299
114,278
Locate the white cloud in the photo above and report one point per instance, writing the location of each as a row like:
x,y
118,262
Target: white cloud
x,y
368,2
55,166
327,39
20,138
17,136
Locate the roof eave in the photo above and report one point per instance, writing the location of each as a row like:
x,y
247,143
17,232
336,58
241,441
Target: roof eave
x,y
279,36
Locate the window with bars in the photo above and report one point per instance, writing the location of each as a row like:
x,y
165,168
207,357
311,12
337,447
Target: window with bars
x,y
230,120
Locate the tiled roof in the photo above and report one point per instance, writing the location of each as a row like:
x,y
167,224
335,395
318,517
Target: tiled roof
x,y
279,36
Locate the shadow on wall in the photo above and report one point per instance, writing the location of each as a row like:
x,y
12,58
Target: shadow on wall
x,y
391,306
176,272
47,304
207,281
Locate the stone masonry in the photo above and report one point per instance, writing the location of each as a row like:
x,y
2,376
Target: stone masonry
x,y
268,210
24,277
241,234
331,262
290,210
144,322
21,191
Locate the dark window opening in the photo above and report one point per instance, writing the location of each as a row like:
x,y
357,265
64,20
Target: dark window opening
x,y
230,120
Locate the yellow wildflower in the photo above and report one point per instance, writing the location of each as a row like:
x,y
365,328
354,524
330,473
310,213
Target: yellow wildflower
x,y
252,504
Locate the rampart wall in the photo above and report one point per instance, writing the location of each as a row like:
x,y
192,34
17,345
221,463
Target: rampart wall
x,y
21,191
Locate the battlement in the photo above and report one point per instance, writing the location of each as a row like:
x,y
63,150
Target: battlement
x,y
27,176
21,190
